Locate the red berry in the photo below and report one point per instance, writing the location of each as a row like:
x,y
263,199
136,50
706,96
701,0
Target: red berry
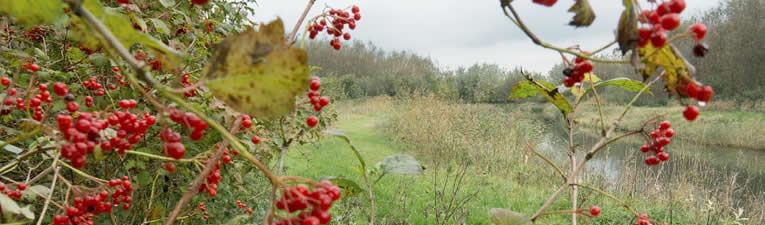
x,y
645,33
175,149
21,186
196,135
584,67
315,85
72,107
246,123
645,148
5,81
669,133
706,94
311,220
32,67
122,2
651,160
699,29
691,90
659,39
115,69
255,139
312,121
670,21
595,211
347,36
690,113
663,9
568,82
665,125
170,167
324,101
355,9
663,156
59,88
547,3
677,6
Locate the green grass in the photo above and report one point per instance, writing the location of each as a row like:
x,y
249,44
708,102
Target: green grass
x,y
410,199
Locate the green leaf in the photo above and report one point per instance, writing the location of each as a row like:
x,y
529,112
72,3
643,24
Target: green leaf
x,y
529,88
507,217
160,26
11,207
138,20
33,12
75,55
43,190
167,3
12,148
584,15
255,73
340,134
401,164
627,31
349,187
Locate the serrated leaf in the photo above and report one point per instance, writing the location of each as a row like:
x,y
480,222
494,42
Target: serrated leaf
x,y
627,31
529,88
255,73
160,26
33,12
401,164
584,15
167,3
507,217
75,54
349,187
677,71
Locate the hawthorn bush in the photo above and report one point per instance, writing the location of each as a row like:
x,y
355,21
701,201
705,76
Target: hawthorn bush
x,y
143,111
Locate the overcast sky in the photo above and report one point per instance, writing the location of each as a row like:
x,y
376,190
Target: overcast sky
x,y
460,33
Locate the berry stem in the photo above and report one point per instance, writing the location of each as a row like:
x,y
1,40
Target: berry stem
x,y
152,156
621,202
83,174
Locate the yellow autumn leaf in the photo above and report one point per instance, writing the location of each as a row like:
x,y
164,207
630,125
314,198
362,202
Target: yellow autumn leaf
x,y
255,73
675,69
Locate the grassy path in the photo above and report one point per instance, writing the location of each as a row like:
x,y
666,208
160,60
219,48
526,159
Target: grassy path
x,y
404,199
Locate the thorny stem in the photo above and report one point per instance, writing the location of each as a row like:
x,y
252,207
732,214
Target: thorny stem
x,y
611,197
291,37
558,169
595,148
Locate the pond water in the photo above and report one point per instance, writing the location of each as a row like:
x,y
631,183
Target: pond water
x,y
705,166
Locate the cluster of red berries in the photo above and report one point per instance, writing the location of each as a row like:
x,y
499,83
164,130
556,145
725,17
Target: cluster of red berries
x,y
31,67
36,33
92,84
35,102
186,83
212,181
243,205
661,137
665,18
317,101
643,220
11,193
130,129
82,135
313,204
338,19
701,93
191,121
576,74
203,208
118,76
246,121
83,209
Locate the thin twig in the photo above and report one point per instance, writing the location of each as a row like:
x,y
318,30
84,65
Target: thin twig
x,y
52,189
558,169
291,37
600,107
